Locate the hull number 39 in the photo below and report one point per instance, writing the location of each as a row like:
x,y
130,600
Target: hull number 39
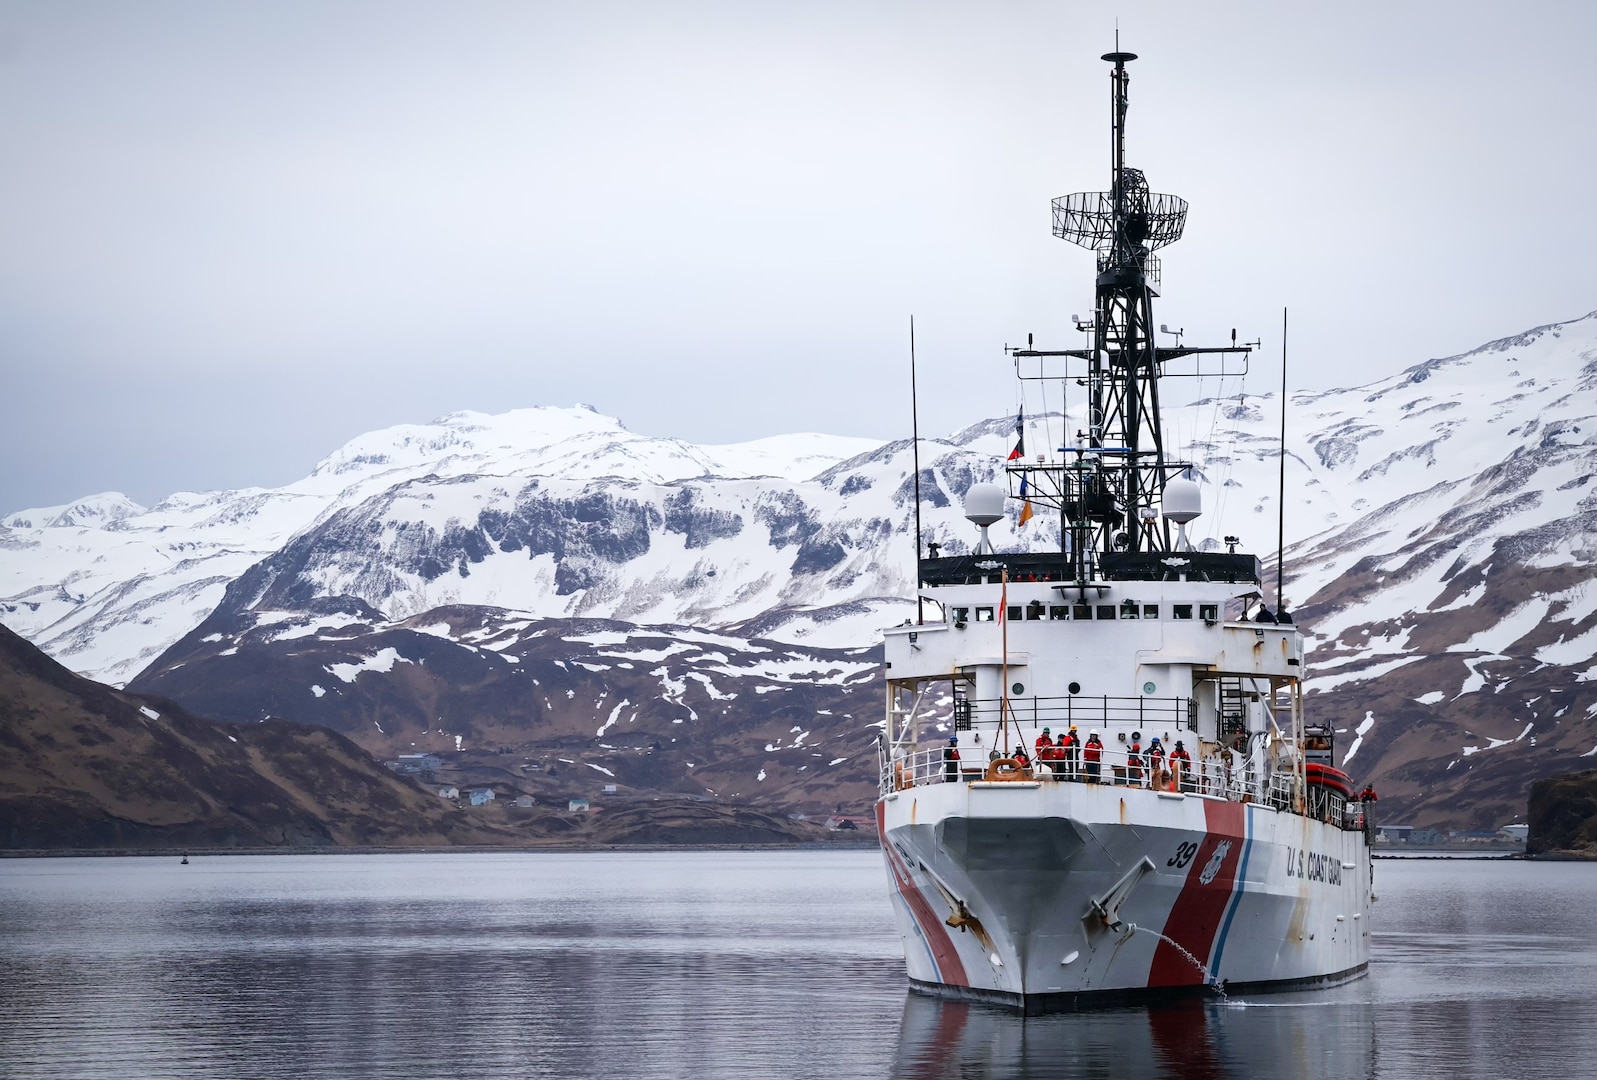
x,y
1211,870
1183,855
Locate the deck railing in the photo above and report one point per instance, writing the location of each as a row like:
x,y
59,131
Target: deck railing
x,y
1087,712
1236,780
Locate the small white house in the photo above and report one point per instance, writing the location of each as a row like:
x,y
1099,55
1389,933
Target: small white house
x,y
524,801
449,791
609,789
577,805
481,796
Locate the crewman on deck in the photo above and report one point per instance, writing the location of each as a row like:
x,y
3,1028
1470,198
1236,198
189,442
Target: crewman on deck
x,y
1181,767
1155,757
1049,753
1072,744
1134,760
951,759
1020,756
1092,753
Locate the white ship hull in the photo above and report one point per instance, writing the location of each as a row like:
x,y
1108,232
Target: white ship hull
x,y
1068,895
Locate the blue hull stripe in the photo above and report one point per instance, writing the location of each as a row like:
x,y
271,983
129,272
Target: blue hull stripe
x,y
1236,893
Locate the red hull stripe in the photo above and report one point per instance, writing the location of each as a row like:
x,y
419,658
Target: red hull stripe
x,y
950,969
1196,916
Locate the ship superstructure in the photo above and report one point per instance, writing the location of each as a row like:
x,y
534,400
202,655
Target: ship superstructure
x,y
1097,781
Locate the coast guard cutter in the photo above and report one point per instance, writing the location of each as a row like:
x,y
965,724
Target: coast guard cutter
x,y
1109,869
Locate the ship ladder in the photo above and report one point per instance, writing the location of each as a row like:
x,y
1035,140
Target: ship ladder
x,y
1233,711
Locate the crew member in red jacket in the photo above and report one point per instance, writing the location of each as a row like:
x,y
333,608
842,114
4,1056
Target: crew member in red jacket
x,y
1134,759
1181,768
1049,752
1092,754
1155,759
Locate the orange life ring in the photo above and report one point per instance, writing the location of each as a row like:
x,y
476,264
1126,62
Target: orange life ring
x,y
1006,769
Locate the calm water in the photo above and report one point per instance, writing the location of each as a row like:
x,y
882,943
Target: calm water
x,y
741,964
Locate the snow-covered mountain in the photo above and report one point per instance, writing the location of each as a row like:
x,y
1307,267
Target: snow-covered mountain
x,y
1439,526
105,585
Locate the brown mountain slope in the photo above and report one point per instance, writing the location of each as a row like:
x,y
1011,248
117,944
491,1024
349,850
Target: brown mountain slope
x,y
85,766
654,710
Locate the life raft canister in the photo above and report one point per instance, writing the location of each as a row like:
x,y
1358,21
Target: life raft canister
x,y
1328,777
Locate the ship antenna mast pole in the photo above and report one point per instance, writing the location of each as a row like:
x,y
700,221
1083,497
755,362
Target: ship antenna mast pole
x,y
1126,401
1003,686
1280,528
914,427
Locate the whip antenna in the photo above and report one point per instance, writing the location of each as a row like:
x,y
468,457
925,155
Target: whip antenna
x,y
914,427
1280,526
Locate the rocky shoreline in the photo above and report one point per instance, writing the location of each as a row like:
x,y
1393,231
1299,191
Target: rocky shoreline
x,y
1562,812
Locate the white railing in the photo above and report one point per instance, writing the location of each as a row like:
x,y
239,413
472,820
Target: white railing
x,y
1084,711
1236,780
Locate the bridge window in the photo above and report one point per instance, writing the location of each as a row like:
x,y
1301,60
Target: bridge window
x,y
1209,613
1015,613
1181,611
1058,611
1106,611
1128,609
1150,611
984,614
1081,611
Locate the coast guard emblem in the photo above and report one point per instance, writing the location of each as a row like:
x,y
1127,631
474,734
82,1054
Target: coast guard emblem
x,y
1212,868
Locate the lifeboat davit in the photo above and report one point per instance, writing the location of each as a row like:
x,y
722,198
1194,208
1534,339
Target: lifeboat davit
x,y
1327,776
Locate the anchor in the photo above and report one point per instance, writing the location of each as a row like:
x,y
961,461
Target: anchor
x,y
1107,906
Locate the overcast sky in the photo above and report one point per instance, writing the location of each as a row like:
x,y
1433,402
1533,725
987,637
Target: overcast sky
x,y
233,236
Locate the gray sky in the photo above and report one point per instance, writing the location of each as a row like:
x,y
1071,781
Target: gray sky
x,y
234,235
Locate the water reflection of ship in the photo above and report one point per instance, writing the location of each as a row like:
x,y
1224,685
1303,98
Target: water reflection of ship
x,y
1187,1039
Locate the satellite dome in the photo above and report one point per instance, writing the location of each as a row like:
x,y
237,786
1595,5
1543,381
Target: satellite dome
x,y
984,504
1183,500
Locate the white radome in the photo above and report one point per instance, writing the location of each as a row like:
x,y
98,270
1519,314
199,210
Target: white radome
x,y
1183,500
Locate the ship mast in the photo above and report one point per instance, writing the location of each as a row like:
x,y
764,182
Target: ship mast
x,y
1125,393
1109,488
